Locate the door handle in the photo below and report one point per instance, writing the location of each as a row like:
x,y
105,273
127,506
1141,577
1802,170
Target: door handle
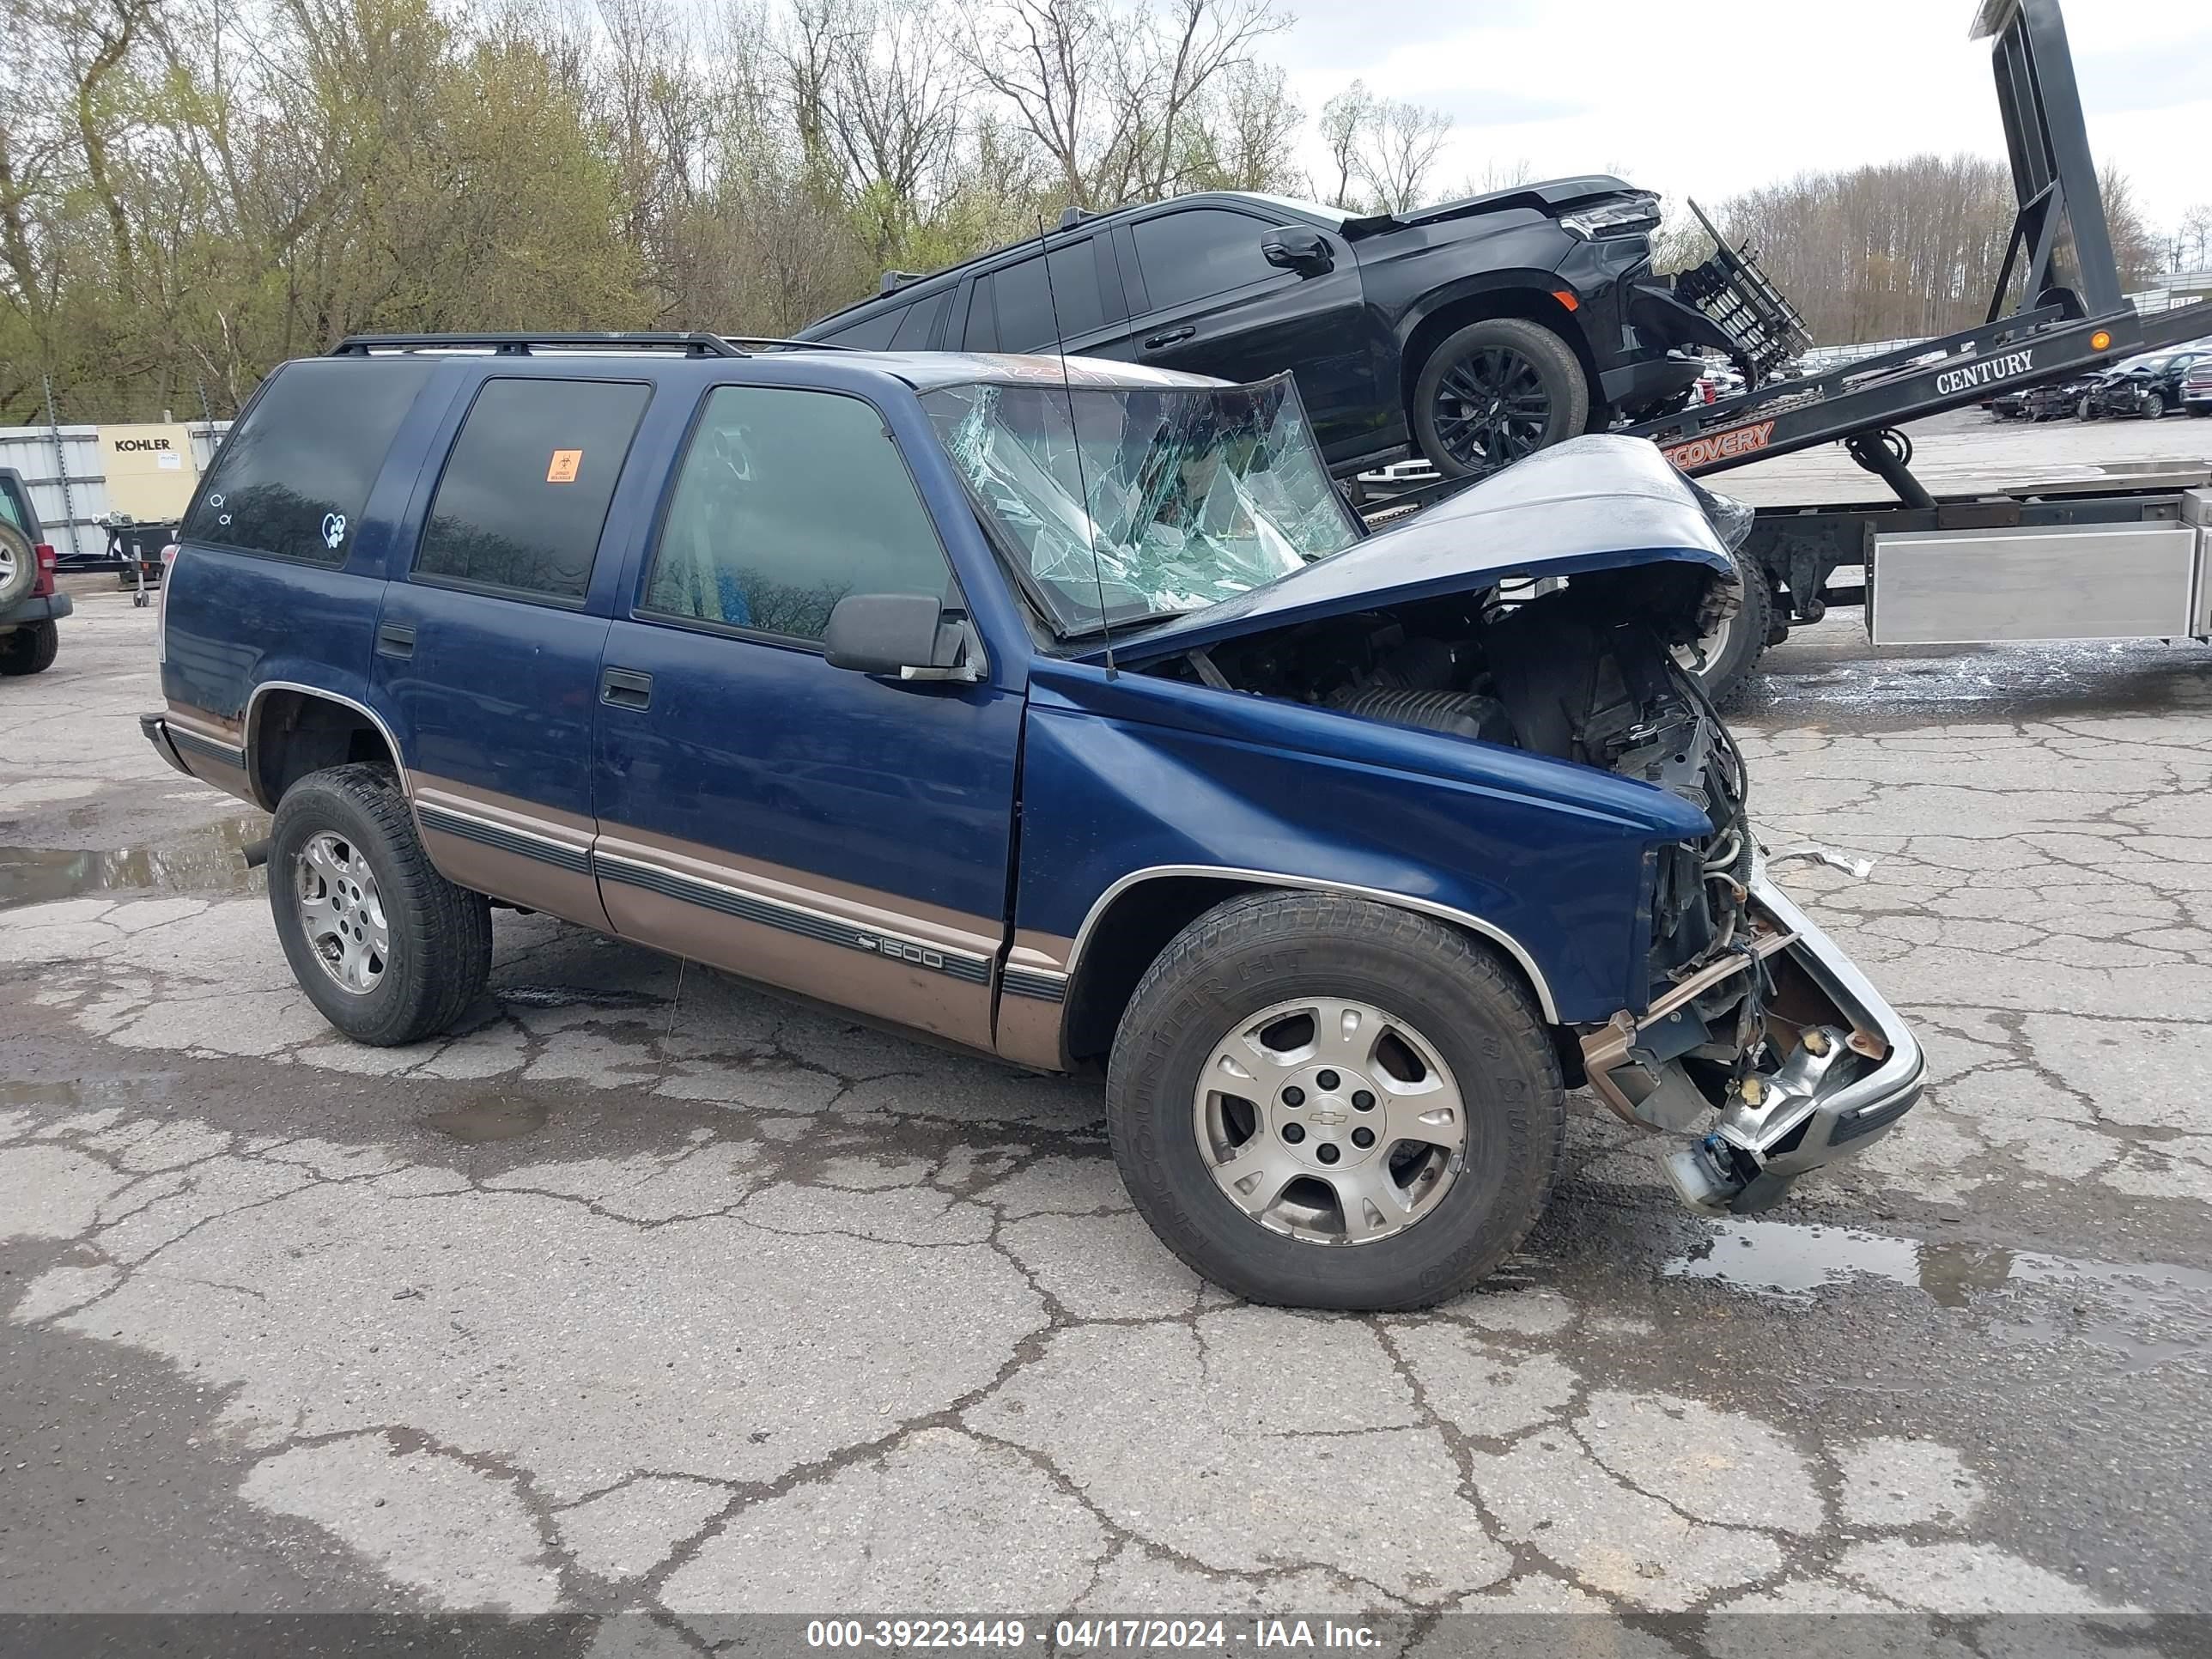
x,y
625,688
394,639
1159,342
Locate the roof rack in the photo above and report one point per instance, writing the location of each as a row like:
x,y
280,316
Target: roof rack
x,y
523,345
796,345
894,280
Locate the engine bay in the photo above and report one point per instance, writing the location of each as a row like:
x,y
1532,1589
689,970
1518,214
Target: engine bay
x,y
1585,671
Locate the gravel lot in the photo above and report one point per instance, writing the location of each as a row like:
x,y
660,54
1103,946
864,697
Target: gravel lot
x,y
694,1308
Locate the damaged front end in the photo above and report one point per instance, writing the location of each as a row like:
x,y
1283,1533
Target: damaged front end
x,y
1775,1053
1556,607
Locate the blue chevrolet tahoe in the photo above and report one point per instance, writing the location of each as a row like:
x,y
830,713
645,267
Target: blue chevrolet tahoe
x,y
1060,710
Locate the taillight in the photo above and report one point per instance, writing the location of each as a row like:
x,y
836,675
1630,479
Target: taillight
x,y
161,606
44,586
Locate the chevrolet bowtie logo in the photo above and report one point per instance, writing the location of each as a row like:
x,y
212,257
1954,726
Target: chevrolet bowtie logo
x,y
1328,1117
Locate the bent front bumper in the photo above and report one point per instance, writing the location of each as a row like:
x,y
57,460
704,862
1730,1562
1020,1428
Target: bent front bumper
x,y
1851,1067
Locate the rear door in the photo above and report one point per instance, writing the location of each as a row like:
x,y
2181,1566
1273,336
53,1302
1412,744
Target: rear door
x,y
1203,298
843,837
488,647
1070,296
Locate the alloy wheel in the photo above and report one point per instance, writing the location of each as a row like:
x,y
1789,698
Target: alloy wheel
x,y
342,913
1330,1120
1491,409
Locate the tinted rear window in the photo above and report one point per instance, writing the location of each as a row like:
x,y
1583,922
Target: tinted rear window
x,y
11,510
921,322
1027,305
872,334
292,478
524,493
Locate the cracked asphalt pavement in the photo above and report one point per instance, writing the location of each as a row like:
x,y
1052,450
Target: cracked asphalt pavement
x,y
620,1300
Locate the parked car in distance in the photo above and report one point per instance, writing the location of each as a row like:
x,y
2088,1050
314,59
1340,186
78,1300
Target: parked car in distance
x,y
2053,400
1476,332
2197,386
29,604
1344,856
2149,386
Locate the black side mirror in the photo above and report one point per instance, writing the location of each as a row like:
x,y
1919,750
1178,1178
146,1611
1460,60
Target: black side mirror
x,y
1299,248
901,635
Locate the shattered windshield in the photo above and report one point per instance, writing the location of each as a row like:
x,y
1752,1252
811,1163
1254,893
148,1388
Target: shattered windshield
x,y
1185,496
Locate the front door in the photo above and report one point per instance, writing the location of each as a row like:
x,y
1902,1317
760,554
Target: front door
x,y
842,836
488,647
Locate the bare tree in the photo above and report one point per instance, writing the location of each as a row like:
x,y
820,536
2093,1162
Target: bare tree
x,y
1380,150
1345,121
1406,141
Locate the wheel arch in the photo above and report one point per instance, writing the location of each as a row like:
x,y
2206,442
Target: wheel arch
x,y
1132,920
292,730
1526,300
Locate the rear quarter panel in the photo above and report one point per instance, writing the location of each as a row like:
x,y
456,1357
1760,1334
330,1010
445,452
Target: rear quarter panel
x,y
235,622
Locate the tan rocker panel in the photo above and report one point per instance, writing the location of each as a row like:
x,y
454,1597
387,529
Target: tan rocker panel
x,y
916,965
517,850
212,748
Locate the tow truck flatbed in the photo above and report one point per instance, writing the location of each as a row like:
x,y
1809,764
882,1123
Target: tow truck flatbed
x,y
1973,560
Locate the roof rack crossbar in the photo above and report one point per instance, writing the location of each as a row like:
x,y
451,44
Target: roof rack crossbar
x,y
521,345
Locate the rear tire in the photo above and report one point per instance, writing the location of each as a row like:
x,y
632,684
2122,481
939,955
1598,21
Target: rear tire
x,y
1256,954
435,938
1534,381
30,649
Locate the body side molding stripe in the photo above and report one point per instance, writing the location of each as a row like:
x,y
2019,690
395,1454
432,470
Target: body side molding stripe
x,y
574,860
1042,985
791,919
228,753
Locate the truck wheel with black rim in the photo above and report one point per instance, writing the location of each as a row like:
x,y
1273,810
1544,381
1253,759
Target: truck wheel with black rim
x,y
388,949
1320,1100
1722,660
29,649
1495,391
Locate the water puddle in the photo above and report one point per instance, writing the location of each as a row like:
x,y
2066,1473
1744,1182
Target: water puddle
x,y
491,1120
205,861
1790,1260
13,1091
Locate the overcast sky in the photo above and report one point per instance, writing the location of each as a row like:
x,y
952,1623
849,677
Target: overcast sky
x,y
1709,100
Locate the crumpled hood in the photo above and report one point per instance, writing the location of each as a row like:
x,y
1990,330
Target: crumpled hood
x,y
1549,195
1591,503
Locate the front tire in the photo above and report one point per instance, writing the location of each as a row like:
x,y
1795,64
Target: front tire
x,y
2154,406
385,947
1723,662
1496,392
30,649
1318,999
